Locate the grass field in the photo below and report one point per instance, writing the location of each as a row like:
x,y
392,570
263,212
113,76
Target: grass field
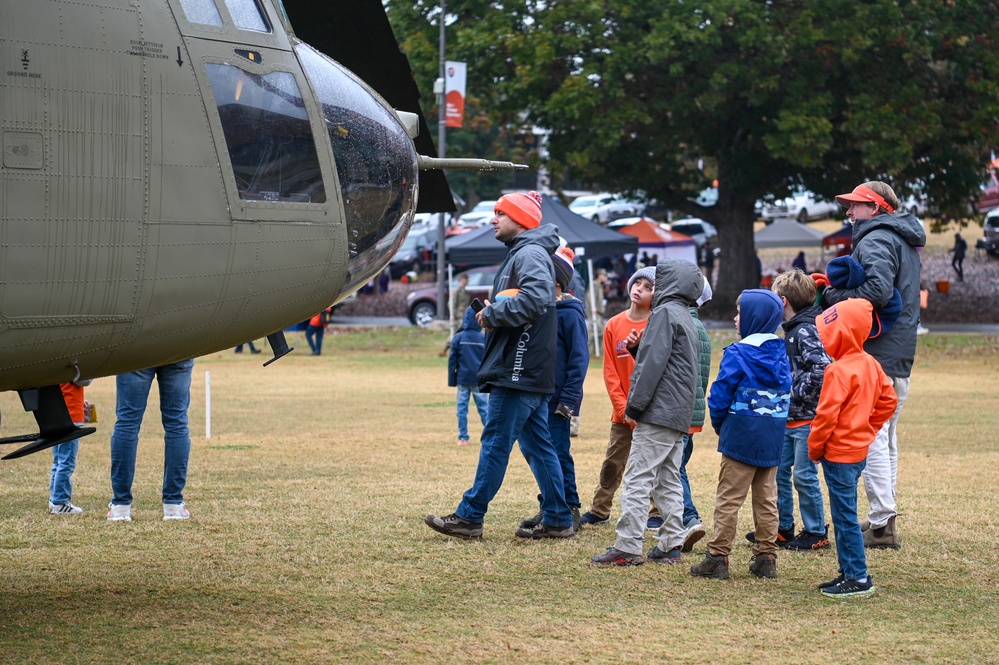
x,y
307,542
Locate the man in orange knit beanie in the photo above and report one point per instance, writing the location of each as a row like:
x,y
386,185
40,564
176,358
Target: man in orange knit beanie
x,y
518,372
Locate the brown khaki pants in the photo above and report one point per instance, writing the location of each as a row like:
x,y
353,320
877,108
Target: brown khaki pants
x,y
734,481
612,471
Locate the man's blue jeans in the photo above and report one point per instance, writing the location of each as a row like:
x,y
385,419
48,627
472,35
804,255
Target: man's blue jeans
x,y
63,465
795,465
175,396
558,427
517,415
841,479
690,514
314,336
481,403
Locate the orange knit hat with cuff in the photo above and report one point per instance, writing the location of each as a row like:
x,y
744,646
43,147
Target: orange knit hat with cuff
x,y
525,209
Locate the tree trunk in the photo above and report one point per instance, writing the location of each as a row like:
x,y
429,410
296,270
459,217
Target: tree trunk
x,y
735,268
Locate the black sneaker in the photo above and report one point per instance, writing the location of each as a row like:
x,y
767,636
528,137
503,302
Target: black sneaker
x,y
784,536
850,589
657,555
531,522
543,530
615,557
452,525
764,566
654,523
806,542
839,578
589,518
711,566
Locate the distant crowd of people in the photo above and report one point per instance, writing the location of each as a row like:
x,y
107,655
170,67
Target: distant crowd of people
x,y
828,394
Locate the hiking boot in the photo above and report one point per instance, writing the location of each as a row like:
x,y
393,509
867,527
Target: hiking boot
x,y
576,519
64,509
589,518
615,557
839,578
764,566
806,541
120,513
784,536
883,538
654,523
850,589
657,555
452,525
531,522
691,535
711,566
543,530
176,511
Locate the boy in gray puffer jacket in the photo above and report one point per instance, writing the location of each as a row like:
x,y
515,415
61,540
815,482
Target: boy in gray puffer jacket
x,y
661,402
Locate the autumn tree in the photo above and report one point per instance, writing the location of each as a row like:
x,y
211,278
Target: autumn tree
x,y
664,97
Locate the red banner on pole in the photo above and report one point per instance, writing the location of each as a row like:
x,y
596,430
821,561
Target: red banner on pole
x,y
454,93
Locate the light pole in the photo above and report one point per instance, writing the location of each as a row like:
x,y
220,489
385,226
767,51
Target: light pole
x,y
441,150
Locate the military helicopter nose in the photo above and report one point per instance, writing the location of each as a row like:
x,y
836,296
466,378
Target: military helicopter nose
x,y
376,164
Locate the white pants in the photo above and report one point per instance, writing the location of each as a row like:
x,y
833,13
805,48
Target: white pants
x,y
881,472
653,470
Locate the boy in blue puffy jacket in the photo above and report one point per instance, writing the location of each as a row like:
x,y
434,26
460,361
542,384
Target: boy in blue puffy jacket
x,y
748,404
467,347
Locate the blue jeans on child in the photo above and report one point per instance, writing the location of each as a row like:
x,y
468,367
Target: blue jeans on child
x,y
795,465
690,514
481,403
63,465
841,479
175,396
558,427
517,415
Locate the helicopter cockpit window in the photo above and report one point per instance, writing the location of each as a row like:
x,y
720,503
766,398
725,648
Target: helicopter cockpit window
x,y
268,134
201,11
247,15
375,160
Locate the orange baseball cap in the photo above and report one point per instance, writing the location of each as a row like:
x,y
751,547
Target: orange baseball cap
x,y
862,194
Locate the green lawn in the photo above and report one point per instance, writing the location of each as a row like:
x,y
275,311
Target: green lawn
x,y
307,541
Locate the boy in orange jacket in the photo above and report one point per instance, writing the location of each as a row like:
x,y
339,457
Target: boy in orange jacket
x,y
857,399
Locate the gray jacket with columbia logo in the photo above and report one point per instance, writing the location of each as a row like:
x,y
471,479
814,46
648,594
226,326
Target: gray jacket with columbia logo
x,y
520,350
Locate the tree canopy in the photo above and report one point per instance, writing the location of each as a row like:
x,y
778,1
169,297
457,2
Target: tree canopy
x,y
762,95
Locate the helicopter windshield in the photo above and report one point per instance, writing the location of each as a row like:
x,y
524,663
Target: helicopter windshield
x,y
268,135
375,162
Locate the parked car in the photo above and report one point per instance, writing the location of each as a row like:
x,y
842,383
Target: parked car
x,y
604,208
417,253
991,227
802,205
421,304
697,229
481,214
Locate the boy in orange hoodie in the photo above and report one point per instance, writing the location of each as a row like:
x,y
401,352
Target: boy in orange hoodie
x,y
857,399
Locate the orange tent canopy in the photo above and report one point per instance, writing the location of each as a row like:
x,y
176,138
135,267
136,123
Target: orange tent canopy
x,y
650,233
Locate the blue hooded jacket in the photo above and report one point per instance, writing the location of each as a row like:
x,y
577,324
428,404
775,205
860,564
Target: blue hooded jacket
x,y
572,355
467,347
749,400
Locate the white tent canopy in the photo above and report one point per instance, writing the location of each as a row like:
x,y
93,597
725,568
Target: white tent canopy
x,y
787,233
